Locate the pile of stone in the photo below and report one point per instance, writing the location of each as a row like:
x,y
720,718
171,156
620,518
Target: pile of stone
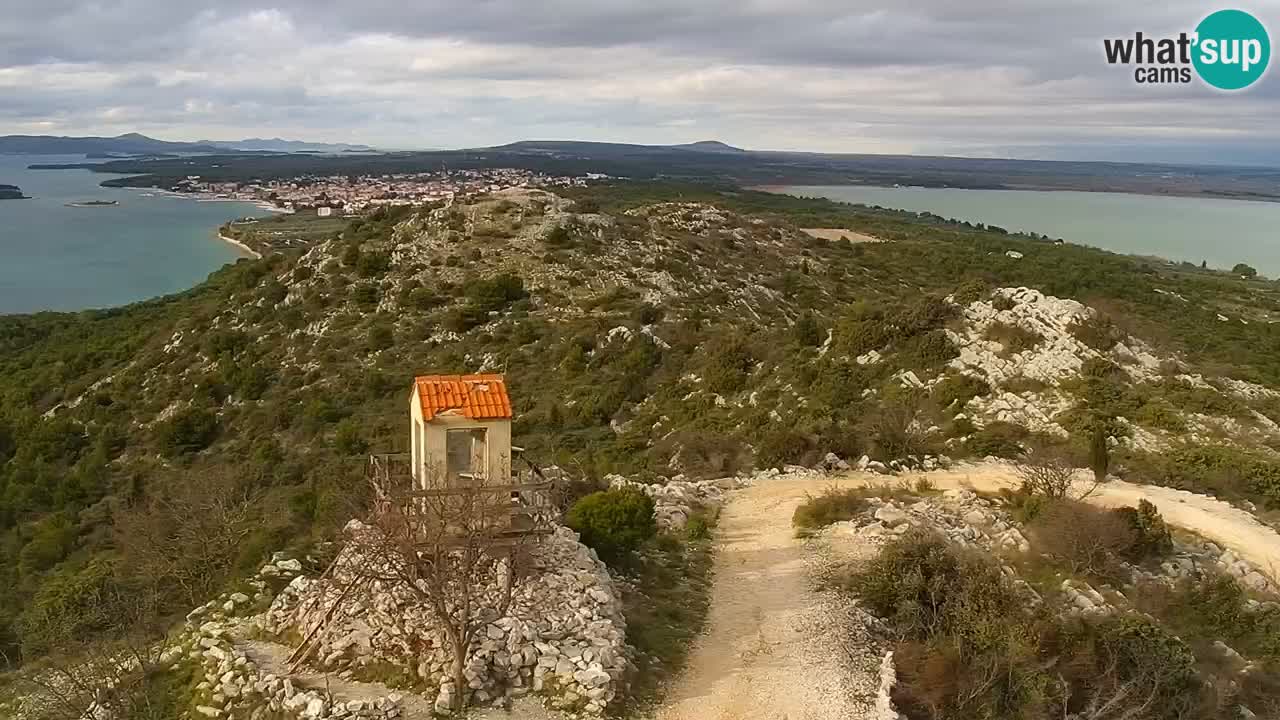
x,y
678,499
961,515
1081,598
233,685
562,635
1198,558
906,464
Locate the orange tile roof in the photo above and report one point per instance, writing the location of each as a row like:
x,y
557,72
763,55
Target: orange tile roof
x,y
479,397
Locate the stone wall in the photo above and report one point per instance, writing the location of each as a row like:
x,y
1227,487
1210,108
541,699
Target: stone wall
x,y
563,635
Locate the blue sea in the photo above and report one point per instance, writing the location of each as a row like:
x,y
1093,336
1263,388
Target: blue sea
x,y
1192,229
55,257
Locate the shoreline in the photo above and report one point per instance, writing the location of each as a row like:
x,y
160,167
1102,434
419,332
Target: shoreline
x,y
232,241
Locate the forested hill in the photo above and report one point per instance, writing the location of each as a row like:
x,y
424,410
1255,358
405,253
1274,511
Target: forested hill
x,y
645,328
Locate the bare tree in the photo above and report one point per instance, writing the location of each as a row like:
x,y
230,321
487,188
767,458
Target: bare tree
x,y
190,535
452,547
1051,473
1089,539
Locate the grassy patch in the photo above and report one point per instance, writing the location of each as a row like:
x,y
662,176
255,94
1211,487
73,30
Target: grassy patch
x,y
665,599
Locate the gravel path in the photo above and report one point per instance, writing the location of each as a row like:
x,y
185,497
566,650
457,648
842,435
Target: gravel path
x,y
1208,517
775,649
272,658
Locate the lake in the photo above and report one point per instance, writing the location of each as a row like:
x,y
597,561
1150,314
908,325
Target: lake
x,y
55,257
1221,232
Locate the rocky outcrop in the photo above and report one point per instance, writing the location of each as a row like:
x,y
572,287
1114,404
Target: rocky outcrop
x,y
677,499
1058,355
562,636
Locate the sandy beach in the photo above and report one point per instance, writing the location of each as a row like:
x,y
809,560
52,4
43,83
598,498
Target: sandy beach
x,y
247,250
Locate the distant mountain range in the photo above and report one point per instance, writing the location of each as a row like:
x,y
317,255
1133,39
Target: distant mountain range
x,y
281,145
588,147
136,144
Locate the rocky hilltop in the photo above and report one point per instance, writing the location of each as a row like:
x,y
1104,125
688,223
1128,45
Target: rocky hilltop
x,y
646,330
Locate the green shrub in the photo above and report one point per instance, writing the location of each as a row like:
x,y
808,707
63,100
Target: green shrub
x,y
1013,338
1215,608
893,429
1003,303
497,292
970,291
807,332
1133,651
780,447
381,337
1160,414
833,505
187,431
927,350
613,522
372,264
1097,331
1151,536
861,330
958,390
1219,469
365,295
348,440
999,438
698,527
728,364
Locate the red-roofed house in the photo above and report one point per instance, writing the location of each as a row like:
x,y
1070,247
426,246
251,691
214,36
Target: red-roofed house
x,y
460,430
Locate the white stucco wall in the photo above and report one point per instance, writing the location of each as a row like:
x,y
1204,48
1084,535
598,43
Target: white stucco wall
x,y
429,451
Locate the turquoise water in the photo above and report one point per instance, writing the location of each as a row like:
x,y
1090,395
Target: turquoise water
x,y
54,257
1221,232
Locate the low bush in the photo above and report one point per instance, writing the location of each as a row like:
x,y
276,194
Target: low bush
x,y
957,390
780,447
969,645
1222,470
1151,537
1001,439
1013,338
894,431
832,506
1096,331
1215,608
613,522
972,648
1003,303
1087,539
927,350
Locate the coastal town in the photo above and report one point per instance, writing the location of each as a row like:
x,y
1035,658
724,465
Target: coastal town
x,y
341,195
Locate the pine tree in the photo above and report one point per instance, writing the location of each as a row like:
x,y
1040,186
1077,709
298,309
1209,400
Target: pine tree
x,y
1099,455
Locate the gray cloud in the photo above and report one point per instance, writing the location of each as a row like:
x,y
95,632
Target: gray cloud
x,y
862,75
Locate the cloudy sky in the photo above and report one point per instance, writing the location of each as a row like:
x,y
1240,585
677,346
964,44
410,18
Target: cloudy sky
x,y
976,77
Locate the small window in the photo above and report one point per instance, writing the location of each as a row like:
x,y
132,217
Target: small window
x,y
465,454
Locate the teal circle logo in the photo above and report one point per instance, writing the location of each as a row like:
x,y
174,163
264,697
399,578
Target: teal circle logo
x,y
1231,49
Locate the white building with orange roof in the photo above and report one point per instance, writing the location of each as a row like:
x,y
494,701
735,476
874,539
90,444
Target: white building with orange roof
x,y
460,430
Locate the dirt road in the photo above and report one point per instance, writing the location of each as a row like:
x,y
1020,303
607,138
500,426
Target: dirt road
x,y
770,652
1213,519
765,655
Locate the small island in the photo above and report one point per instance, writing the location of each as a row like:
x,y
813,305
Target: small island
x,y
94,203
11,192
